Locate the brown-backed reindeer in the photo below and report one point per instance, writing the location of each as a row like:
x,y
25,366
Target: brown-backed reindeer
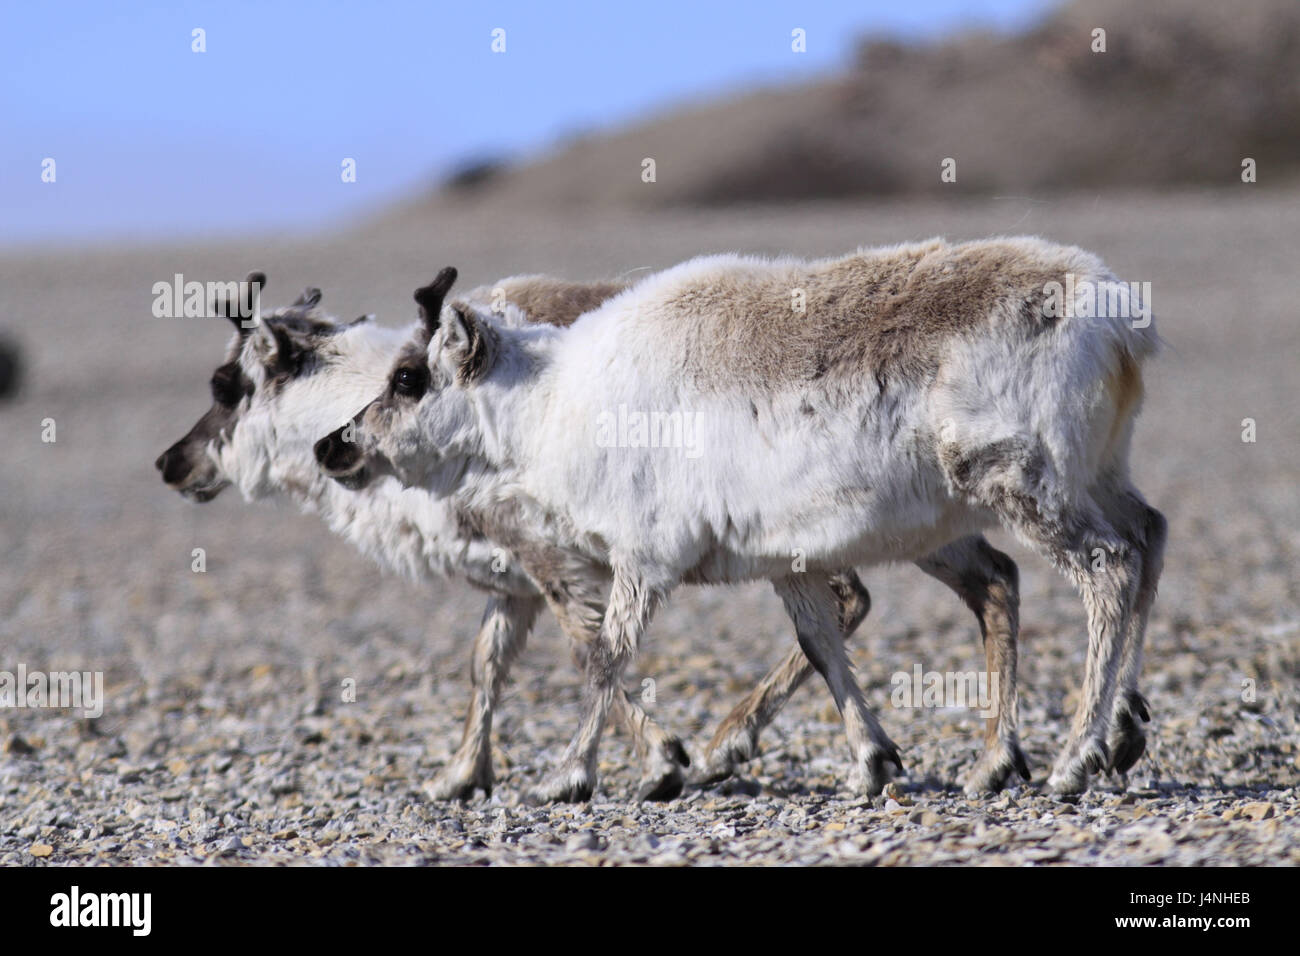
x,y
929,392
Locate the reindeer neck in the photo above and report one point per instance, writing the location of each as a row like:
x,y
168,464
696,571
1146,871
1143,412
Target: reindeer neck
x,y
402,532
511,403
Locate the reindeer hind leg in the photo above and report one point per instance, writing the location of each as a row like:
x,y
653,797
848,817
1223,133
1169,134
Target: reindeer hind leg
x,y
989,583
736,739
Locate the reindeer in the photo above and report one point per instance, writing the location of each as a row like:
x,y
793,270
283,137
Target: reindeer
x,y
931,391
290,374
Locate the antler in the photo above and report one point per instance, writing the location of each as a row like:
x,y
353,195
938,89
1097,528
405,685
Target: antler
x,y
254,282
309,298
222,304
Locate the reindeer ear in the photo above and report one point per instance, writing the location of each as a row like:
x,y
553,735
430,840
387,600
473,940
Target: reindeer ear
x,y
276,349
430,298
468,343
265,343
458,331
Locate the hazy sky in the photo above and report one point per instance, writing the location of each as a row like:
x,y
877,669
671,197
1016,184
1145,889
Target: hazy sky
x,y
152,139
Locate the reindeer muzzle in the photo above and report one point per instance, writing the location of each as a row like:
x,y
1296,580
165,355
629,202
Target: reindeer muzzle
x,y
342,460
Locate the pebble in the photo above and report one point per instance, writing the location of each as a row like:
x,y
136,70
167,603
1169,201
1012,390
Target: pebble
x,y
18,746
582,841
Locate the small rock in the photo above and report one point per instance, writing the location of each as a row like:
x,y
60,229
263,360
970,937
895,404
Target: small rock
x,y
582,841
893,792
18,746
41,850
1256,811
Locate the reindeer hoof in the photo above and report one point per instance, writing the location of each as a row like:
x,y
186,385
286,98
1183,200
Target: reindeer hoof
x,y
1096,756
1139,705
663,788
1127,752
1022,765
1068,780
677,752
450,786
994,768
662,777
725,755
1070,775
718,766
893,756
563,786
1126,741
873,771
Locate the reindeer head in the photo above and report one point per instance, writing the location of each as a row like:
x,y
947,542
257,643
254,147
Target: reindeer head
x,y
422,428
285,377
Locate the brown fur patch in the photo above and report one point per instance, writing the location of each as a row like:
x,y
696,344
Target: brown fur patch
x,y
1124,386
884,312
543,299
551,301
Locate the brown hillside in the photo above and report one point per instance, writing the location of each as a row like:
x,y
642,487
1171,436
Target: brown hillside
x,y
1184,91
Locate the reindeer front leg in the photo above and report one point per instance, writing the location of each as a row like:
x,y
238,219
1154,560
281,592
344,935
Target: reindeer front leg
x,y
577,601
813,607
507,620
632,603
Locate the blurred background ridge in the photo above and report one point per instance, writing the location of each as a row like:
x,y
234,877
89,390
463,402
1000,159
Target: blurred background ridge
x,y
1183,92
153,140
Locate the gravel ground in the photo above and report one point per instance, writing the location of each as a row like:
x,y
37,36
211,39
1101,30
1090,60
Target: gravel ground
x,y
226,738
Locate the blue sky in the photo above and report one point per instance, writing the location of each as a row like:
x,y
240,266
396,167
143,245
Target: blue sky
x,y
151,139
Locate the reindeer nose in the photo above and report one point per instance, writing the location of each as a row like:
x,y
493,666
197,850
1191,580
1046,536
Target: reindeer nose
x,y
322,449
333,452
172,465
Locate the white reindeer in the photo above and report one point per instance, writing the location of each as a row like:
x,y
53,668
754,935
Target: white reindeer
x,y
928,392
296,372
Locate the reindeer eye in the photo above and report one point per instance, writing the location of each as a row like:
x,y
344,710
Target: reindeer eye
x,y
225,389
410,381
